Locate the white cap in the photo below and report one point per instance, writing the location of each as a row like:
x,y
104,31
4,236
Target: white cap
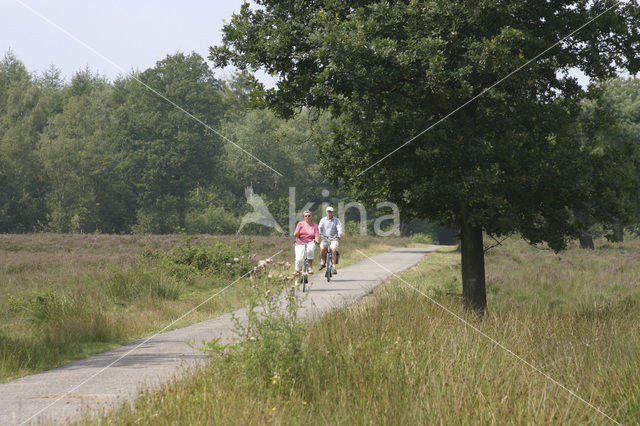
x,y
329,209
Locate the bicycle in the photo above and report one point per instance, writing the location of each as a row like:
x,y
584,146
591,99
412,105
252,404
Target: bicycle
x,y
327,262
304,278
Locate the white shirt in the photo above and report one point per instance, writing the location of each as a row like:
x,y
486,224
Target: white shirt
x,y
330,228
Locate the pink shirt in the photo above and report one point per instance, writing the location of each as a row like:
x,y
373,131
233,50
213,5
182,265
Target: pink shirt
x,y
307,232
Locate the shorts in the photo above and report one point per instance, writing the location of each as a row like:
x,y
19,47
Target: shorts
x,y
333,243
299,250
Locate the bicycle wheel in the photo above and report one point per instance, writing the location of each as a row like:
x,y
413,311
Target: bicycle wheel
x,y
305,281
328,265
305,273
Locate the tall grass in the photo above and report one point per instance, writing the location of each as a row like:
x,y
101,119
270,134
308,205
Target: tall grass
x,y
68,296
398,358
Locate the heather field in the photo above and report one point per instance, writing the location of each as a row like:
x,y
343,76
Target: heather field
x,y
398,358
68,296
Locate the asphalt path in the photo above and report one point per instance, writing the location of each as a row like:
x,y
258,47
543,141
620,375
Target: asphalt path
x,y
105,380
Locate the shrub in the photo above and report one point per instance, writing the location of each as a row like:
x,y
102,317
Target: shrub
x,y
422,238
185,260
214,220
160,219
38,307
352,228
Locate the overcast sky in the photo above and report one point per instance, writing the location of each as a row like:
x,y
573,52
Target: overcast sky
x,y
133,34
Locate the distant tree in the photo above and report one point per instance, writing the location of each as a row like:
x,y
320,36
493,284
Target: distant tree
x,y
52,85
610,126
239,95
168,153
87,191
285,145
23,115
505,162
12,70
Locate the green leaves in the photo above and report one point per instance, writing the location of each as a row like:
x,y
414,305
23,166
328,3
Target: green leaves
x,y
23,114
168,151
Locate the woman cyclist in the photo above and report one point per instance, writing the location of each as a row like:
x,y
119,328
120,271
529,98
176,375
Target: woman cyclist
x,y
307,233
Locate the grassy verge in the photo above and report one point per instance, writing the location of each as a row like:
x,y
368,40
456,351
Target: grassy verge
x,y
398,358
65,297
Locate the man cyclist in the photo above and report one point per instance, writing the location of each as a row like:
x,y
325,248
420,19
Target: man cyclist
x,y
330,231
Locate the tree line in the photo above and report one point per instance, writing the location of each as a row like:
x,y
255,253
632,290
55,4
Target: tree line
x,y
90,155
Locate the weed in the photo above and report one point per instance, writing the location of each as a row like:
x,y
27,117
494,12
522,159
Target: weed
x,y
271,342
142,281
214,346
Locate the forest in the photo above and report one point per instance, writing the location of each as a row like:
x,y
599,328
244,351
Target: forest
x,y
89,155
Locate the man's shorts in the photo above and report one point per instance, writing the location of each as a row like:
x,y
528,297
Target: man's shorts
x,y
333,243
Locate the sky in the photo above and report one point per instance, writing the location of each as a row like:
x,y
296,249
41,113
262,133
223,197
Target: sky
x,y
115,37
131,34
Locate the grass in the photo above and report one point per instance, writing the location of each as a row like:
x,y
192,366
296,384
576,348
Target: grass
x,y
65,297
396,357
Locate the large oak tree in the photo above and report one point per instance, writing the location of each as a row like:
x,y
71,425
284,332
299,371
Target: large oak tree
x,y
504,163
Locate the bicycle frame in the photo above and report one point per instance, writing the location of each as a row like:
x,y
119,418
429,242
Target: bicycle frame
x,y
328,257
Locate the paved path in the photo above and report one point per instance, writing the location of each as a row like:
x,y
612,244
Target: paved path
x,y
43,397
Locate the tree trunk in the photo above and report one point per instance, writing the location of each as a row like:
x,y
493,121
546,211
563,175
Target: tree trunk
x,y
473,281
586,240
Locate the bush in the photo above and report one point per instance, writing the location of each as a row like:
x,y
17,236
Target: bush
x,y
164,276
352,228
39,306
161,218
185,260
214,220
422,238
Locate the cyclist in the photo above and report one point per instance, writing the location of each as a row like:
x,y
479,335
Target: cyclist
x,y
331,231
306,233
